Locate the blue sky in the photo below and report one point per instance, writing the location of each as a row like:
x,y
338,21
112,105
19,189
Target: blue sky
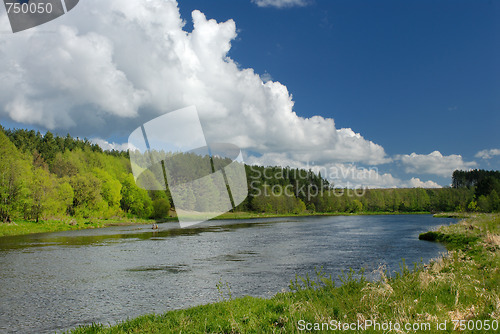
x,y
411,77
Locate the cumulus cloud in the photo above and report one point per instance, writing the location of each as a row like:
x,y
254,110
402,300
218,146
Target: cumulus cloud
x,y
47,80
109,66
488,154
107,146
434,163
280,3
415,182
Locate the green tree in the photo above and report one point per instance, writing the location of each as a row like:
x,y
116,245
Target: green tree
x,y
14,172
161,208
483,203
87,195
494,201
299,207
48,147
64,165
110,188
41,188
472,207
356,205
134,199
61,203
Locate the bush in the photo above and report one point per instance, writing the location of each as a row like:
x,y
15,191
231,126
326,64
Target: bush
x,y
161,207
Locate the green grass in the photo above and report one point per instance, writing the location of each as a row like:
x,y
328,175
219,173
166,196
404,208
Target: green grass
x,y
452,240
462,285
452,215
21,227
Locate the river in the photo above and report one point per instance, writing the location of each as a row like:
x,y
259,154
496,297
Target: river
x,y
56,281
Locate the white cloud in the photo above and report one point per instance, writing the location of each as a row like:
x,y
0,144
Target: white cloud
x,y
47,79
488,154
107,146
280,3
434,163
109,66
415,182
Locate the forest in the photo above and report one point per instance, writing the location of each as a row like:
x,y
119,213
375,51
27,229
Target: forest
x,y
45,176
485,186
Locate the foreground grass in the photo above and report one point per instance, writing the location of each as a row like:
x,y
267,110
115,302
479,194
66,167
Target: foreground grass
x,y
463,285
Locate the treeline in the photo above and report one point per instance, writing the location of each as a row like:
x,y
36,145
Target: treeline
x,y
288,190
285,190
49,145
282,189
394,200
485,186
47,176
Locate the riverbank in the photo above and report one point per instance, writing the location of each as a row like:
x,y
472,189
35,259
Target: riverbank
x,y
459,289
22,227
27,227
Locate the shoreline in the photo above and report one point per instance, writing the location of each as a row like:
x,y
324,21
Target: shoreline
x,y
24,227
251,215
422,295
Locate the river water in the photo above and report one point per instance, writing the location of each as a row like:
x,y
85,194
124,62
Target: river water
x,y
56,281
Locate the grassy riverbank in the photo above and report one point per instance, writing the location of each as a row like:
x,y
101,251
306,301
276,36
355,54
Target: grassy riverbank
x,y
27,227
463,285
21,227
